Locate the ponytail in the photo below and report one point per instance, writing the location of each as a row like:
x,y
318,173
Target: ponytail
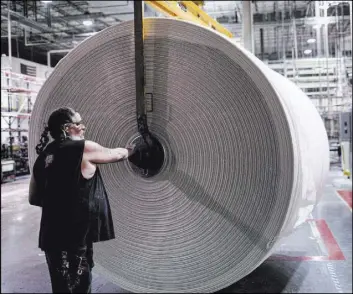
x,y
44,139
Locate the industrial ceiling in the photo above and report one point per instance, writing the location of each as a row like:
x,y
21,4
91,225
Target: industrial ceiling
x,y
40,26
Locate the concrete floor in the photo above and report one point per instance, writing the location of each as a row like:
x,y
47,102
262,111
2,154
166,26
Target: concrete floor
x,y
316,258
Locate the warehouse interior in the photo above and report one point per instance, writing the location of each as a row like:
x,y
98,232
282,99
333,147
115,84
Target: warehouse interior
x,y
307,42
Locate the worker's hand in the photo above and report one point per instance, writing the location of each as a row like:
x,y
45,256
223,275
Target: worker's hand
x,y
138,147
139,153
131,149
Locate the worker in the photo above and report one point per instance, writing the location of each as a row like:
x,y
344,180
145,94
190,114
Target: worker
x,y
67,184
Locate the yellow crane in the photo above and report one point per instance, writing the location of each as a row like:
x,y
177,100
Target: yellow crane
x,y
188,10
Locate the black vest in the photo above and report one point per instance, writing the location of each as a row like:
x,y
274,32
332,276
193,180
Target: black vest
x,y
74,210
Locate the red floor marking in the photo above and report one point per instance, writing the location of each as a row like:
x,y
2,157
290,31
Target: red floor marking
x,y
346,196
333,249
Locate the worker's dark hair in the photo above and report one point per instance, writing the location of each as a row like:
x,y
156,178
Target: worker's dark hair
x,y
55,127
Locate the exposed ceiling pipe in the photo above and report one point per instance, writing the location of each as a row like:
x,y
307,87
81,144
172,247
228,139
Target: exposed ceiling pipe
x,y
28,23
85,12
52,31
69,39
23,20
109,6
74,17
119,13
12,36
61,31
84,35
80,37
63,12
55,51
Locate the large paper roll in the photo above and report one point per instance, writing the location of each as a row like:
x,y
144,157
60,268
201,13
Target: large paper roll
x,y
246,153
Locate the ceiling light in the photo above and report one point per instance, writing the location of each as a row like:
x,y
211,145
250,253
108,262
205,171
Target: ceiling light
x,y
307,51
87,22
310,41
47,1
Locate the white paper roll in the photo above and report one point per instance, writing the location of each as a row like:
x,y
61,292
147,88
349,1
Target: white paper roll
x,y
246,153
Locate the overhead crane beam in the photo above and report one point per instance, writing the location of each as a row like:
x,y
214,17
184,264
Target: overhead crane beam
x,y
188,10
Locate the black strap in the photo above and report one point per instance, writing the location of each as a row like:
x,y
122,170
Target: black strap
x,y
140,70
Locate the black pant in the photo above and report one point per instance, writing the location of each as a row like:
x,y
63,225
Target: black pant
x,y
71,271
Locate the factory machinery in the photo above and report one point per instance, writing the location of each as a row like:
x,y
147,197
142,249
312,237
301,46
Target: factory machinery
x,y
14,159
18,92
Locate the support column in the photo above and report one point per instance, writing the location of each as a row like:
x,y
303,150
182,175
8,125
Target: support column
x,y
318,29
295,45
247,25
295,51
319,48
262,49
325,33
295,39
350,15
284,57
9,35
326,55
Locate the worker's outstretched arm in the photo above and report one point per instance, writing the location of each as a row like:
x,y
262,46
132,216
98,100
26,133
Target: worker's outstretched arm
x,y
95,153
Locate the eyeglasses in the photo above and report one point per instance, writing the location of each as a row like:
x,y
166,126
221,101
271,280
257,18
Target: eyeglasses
x,y
77,123
74,123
